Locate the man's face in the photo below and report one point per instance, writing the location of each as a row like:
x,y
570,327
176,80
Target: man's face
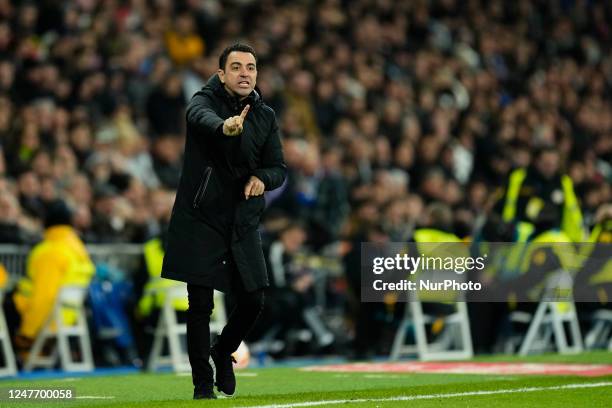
x,y
240,73
548,164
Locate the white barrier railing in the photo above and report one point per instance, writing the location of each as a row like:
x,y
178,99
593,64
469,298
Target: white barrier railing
x,y
123,256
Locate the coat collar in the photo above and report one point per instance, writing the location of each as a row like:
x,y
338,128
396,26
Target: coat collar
x,y
214,84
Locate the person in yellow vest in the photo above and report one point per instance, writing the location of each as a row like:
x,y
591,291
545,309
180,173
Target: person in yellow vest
x,y
438,225
59,259
548,249
149,286
524,271
150,290
529,189
593,283
437,228
153,296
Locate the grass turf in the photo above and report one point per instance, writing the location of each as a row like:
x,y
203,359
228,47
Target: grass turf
x,y
289,385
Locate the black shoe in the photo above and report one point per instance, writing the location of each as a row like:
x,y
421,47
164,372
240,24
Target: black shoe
x,y
224,372
204,393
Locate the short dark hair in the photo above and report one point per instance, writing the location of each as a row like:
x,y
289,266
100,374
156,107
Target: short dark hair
x,y
235,47
57,213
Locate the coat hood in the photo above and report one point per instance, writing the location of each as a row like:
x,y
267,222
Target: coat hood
x,y
215,86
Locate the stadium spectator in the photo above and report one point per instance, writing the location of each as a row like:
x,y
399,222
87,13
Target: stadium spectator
x,y
166,106
11,221
530,190
166,155
148,285
292,303
184,44
60,259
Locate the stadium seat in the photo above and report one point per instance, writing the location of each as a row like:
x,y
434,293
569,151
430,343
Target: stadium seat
x,y
601,332
168,328
72,298
454,343
549,319
9,367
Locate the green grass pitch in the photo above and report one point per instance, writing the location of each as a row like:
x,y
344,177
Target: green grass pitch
x,y
292,387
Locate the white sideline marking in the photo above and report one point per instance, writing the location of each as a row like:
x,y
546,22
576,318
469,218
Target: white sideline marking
x,y
435,396
384,376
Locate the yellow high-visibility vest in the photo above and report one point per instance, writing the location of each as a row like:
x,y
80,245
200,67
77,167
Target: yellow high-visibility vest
x,y
430,235
601,234
433,235
4,278
60,260
571,220
561,246
154,291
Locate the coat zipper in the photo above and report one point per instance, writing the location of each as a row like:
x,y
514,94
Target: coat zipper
x,y
202,187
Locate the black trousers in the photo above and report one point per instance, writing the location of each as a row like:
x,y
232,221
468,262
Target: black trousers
x,y
248,306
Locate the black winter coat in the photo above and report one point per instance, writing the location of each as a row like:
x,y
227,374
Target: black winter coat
x,y
213,228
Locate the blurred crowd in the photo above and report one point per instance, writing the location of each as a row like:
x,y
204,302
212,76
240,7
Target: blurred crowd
x,y
386,107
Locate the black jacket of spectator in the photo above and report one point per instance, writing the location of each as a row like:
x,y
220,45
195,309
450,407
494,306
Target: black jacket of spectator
x,y
213,237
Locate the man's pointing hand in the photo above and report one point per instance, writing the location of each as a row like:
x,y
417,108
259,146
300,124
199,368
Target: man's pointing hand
x,y
233,126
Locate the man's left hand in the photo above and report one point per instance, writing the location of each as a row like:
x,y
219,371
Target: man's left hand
x,y
254,187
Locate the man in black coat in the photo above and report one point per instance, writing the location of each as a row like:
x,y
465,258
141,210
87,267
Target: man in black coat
x,y
232,154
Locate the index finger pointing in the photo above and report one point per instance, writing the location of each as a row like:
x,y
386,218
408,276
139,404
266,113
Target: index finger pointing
x,y
244,112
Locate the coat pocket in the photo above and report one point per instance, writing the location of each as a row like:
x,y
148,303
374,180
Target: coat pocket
x,y
248,214
197,199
